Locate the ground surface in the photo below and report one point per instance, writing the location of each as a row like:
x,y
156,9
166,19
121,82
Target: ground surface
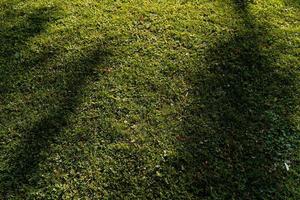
x,y
149,99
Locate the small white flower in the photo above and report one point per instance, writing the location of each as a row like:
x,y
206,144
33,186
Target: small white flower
x,y
287,166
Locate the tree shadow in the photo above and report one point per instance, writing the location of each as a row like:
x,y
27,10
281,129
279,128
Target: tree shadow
x,y
17,28
67,82
294,3
35,141
238,129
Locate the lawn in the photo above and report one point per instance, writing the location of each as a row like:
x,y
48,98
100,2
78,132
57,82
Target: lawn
x,y
150,99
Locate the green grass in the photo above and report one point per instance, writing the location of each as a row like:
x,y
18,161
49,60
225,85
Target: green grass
x,y
149,99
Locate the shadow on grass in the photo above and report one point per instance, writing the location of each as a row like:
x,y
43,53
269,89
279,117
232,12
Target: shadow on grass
x,y
70,78
17,28
294,3
238,129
